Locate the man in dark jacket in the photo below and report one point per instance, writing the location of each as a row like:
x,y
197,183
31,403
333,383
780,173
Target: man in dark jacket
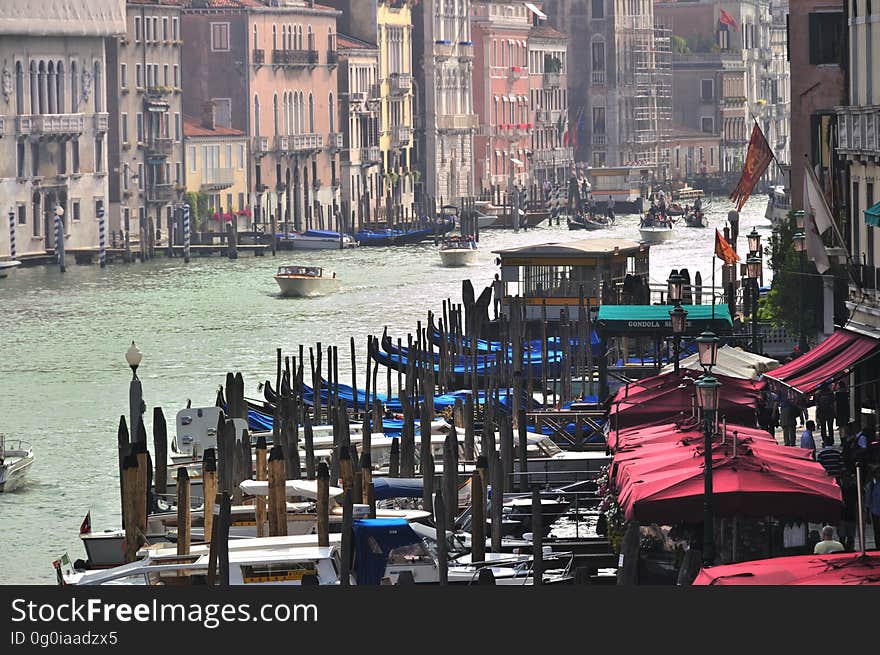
x,y
841,407
825,408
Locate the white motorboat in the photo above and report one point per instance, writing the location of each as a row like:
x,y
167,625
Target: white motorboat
x,y
319,240
16,457
306,281
656,234
778,206
458,251
6,265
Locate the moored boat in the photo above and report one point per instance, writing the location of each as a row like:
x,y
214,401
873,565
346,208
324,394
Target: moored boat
x,y
7,265
655,234
317,240
306,281
778,205
458,251
16,457
696,219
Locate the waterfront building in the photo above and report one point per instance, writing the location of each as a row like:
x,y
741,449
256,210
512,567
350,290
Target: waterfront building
x,y
54,119
388,24
724,36
442,69
216,174
551,154
359,117
859,143
620,86
692,153
502,89
270,68
145,140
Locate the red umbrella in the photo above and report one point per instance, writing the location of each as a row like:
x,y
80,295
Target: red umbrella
x,y
834,569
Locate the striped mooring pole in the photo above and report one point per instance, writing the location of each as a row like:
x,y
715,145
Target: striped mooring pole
x,y
186,233
102,236
12,233
59,242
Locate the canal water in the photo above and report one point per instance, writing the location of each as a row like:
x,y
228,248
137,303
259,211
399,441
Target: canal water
x,y
64,380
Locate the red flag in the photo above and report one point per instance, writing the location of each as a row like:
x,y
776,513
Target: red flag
x,y
86,526
726,19
758,158
723,250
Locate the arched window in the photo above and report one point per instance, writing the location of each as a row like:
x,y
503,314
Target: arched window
x,y
34,88
331,45
19,88
286,116
59,72
52,107
74,88
332,113
99,96
311,114
42,83
255,45
302,111
274,38
275,116
311,38
256,115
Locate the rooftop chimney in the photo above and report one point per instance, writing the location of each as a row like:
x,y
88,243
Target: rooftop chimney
x,y
208,114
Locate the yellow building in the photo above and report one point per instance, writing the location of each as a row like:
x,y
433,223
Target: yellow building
x,y
394,27
216,166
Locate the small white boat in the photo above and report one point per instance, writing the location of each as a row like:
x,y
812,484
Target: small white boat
x,y
458,251
7,265
319,240
16,457
778,206
306,281
655,234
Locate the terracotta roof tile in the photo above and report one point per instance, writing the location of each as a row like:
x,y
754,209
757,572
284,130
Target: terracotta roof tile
x,y
345,41
544,32
193,127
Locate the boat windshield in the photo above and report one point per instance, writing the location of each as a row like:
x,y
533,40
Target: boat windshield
x,y
304,271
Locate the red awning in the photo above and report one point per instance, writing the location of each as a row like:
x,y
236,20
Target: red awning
x,y
834,569
829,360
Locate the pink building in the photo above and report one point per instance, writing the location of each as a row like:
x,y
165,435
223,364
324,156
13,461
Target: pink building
x,y
501,87
270,68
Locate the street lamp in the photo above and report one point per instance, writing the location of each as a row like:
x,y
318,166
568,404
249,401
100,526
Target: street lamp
x,y
136,405
799,220
800,247
753,266
678,316
707,347
707,396
675,288
754,241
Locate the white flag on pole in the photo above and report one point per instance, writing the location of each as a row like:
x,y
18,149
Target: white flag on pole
x,y
812,212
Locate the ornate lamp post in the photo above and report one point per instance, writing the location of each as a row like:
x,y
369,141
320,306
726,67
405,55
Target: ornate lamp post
x,y
136,405
753,266
707,396
800,246
678,316
675,288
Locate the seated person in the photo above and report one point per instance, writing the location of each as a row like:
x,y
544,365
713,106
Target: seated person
x,y
828,543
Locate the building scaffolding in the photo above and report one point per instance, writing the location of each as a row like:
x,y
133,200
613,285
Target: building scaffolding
x,y
646,137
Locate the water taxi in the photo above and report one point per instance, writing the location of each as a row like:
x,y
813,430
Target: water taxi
x,y
306,281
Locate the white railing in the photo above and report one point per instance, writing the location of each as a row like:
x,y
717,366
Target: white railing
x,y
218,177
370,154
456,121
400,82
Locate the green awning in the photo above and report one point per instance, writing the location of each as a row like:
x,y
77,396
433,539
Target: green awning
x,y
872,215
644,320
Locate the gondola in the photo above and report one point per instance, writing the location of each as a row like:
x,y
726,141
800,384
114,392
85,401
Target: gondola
x,y
696,219
398,237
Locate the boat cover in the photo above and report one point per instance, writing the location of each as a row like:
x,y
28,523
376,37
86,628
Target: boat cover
x,y
386,488
374,539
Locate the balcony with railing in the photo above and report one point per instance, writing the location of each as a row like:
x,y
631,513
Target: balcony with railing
x,y
357,97
552,80
294,57
332,57
444,50
553,156
50,125
299,143
597,78
465,50
258,56
163,192
517,73
159,146
400,83
456,122
400,136
334,140
214,179
261,145
599,140
857,130
370,155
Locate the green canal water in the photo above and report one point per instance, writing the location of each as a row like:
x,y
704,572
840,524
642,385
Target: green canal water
x,y
64,380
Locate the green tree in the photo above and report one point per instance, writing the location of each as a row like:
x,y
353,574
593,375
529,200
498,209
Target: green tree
x,y
680,45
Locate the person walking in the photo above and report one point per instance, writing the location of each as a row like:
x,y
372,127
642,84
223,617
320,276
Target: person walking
x,y
872,504
825,410
807,440
787,419
498,293
831,460
841,408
